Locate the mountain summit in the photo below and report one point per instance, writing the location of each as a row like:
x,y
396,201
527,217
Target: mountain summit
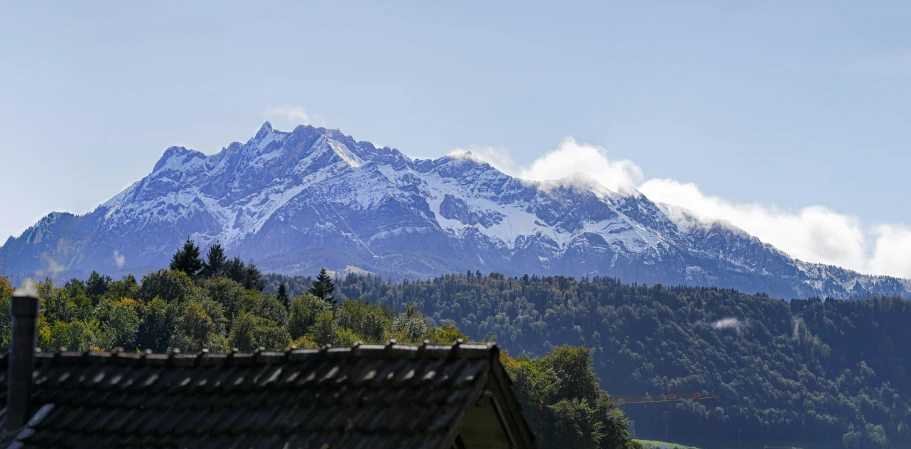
x,y
296,201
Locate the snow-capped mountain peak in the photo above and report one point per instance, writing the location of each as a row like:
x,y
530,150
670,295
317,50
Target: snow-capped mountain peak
x,y
265,129
295,201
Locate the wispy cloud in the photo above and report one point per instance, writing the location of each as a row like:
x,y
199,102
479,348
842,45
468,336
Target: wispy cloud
x,y
51,267
294,114
729,323
725,323
814,233
119,259
498,157
569,159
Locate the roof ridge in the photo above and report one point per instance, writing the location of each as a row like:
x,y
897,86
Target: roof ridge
x,y
379,395
204,357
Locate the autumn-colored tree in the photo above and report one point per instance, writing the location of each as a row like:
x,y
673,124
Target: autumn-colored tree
x,y
6,289
445,335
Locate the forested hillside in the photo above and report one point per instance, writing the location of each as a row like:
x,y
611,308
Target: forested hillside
x,y
808,370
805,370
219,304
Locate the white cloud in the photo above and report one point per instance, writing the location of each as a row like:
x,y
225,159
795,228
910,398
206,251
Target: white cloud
x,y
294,114
813,234
119,259
498,157
571,158
729,323
51,267
725,323
891,250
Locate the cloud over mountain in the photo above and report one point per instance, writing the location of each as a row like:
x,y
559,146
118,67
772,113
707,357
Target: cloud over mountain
x,y
314,197
814,233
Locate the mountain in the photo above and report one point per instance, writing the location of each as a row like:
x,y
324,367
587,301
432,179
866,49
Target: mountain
x,y
296,201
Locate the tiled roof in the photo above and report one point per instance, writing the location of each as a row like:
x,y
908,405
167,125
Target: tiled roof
x,y
368,396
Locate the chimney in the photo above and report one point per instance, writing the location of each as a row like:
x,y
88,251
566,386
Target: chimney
x,y
24,312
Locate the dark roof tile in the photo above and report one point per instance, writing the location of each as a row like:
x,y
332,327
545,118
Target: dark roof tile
x,y
369,396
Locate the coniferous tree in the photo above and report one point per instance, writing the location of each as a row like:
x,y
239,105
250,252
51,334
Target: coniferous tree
x,y
215,262
253,278
283,296
245,274
187,259
236,270
323,287
96,286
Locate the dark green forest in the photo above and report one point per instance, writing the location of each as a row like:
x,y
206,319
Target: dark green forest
x,y
220,304
804,370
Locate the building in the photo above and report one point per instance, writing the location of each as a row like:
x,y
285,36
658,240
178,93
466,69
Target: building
x,y
366,396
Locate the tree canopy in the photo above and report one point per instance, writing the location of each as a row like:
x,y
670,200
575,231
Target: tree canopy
x,y
804,370
323,287
170,310
216,262
186,259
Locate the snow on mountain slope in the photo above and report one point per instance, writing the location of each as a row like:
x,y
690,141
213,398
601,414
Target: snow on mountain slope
x,y
295,201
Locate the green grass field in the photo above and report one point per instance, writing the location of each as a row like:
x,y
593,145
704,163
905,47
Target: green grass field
x,y
751,445
657,444
744,445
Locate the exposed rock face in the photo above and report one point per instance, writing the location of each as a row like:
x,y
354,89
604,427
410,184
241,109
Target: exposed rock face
x,y
296,201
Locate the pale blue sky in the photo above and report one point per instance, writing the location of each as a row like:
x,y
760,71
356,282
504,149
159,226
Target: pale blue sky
x,y
783,103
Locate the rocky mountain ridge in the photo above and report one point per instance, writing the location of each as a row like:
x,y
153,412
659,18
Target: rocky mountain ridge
x,y
296,201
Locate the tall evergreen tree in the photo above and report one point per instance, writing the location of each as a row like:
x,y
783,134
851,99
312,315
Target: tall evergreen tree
x,y
215,262
96,286
236,270
283,296
253,278
187,259
323,287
